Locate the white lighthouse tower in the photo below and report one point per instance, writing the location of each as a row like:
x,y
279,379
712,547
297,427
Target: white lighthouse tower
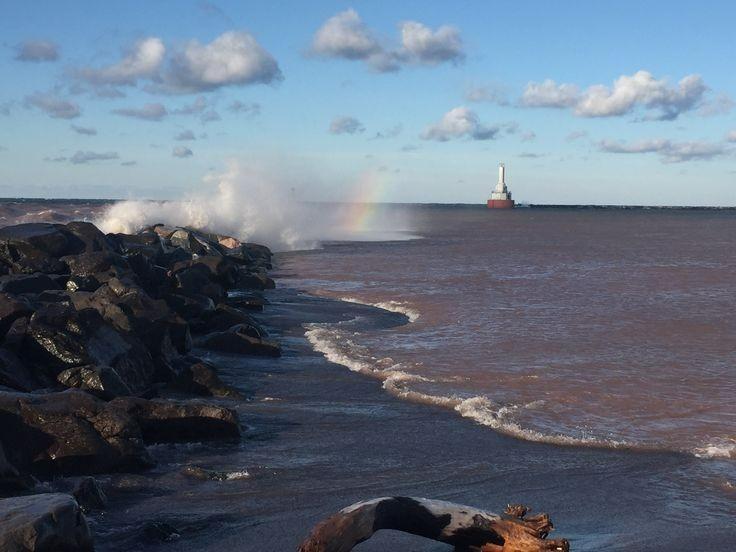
x,y
500,196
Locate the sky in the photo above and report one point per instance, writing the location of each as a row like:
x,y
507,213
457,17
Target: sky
x,y
414,101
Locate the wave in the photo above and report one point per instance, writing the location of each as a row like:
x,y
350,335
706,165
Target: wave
x,y
400,307
718,448
338,346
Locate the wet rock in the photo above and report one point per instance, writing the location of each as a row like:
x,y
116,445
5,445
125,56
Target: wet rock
x,y
35,247
101,381
190,306
165,421
86,237
82,283
50,522
229,242
11,481
220,269
250,302
27,283
147,243
200,378
202,474
91,263
89,494
196,280
248,280
67,433
222,318
242,339
16,334
61,337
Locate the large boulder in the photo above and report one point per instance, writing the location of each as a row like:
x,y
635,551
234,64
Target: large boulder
x,y
50,522
200,378
60,337
196,280
27,283
16,375
243,339
11,481
101,381
34,247
164,421
12,308
68,432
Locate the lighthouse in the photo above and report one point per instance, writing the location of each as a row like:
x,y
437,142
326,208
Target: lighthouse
x,y
500,196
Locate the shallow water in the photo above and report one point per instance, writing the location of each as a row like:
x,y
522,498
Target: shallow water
x,y
581,326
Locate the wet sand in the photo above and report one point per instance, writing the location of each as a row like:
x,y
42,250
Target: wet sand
x,y
320,437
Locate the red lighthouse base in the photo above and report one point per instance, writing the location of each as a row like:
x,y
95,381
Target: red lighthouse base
x,y
500,203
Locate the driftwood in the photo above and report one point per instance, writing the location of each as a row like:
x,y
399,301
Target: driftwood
x,y
468,529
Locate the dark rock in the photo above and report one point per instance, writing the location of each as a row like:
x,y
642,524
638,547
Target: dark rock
x,y
164,421
36,247
223,318
89,494
27,283
82,283
240,340
11,481
68,432
14,374
12,308
190,306
86,237
102,381
221,269
250,302
54,296
248,280
88,264
51,522
16,334
61,337
147,243
196,280
200,378
159,531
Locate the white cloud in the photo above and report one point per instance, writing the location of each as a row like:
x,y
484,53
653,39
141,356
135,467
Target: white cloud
x,y
492,94
627,93
722,104
182,152
346,36
431,47
149,112
549,94
82,157
53,106
142,60
731,136
459,122
37,50
198,106
346,125
669,151
87,131
233,58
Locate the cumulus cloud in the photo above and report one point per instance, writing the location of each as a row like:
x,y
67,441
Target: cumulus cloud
x,y
182,152
640,90
731,136
251,108
82,157
423,45
233,58
549,94
86,131
149,112
346,36
37,50
669,151
459,122
346,125
142,60
53,106
185,135
722,104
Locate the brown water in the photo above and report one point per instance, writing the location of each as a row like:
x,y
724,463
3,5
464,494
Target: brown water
x,y
612,328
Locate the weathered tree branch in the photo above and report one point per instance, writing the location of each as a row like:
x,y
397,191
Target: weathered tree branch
x,y
468,529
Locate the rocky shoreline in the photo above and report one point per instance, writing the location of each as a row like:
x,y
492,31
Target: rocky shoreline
x,y
96,333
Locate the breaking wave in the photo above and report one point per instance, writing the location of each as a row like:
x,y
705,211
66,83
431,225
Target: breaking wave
x,y
400,307
718,448
338,346
252,206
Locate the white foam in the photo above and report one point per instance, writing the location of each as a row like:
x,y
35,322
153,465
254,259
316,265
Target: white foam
x,y
337,347
718,448
237,475
400,307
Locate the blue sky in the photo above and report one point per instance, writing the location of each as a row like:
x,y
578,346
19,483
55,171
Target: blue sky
x,y
598,102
